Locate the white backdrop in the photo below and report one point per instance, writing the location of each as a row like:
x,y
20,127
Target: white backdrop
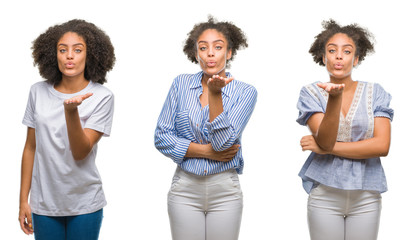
x,y
148,37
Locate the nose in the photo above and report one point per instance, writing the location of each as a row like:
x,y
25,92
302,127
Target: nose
x,y
211,52
339,55
69,54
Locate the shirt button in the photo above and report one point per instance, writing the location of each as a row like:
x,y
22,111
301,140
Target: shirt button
x,y
201,141
197,124
205,171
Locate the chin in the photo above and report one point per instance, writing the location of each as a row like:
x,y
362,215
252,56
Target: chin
x,y
209,73
340,75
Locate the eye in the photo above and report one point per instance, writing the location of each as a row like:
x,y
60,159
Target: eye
x,y
332,51
347,52
62,50
218,47
202,48
78,50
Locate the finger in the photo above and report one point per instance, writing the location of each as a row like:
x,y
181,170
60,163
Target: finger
x,y
216,79
29,221
232,150
320,84
235,147
86,96
228,80
21,220
74,100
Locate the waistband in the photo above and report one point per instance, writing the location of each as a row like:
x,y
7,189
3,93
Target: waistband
x,y
206,179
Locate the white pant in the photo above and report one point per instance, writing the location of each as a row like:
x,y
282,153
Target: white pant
x,y
205,207
335,214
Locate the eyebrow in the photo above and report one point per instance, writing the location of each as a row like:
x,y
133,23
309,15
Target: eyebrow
x,y
219,40
76,44
345,45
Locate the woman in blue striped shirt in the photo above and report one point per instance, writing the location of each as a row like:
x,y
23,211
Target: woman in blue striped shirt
x,y
200,129
350,125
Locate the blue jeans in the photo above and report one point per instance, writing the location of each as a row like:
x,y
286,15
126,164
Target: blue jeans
x,y
78,227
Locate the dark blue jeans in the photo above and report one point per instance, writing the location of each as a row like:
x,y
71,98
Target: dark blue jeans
x,y
79,227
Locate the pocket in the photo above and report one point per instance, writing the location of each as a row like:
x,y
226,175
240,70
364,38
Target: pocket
x,y
317,193
175,182
235,181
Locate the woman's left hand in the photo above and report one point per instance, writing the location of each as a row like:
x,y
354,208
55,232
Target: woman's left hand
x,y
72,103
308,143
216,82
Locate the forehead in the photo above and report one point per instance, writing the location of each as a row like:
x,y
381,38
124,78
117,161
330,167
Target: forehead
x,y
71,38
340,39
211,35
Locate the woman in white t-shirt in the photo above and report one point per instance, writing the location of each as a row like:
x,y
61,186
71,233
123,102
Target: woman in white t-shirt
x,y
66,115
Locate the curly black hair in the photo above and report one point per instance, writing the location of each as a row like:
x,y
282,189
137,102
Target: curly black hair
x,y
100,55
360,36
235,37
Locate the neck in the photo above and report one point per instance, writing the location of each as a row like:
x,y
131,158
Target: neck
x,y
72,84
344,80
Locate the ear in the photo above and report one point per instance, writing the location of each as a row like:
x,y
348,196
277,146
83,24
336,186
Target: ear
x,y
356,61
229,54
324,59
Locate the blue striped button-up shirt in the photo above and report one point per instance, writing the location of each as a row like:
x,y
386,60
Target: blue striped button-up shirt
x,y
183,120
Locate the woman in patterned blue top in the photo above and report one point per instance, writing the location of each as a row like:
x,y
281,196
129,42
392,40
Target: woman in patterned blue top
x,y
350,125
200,128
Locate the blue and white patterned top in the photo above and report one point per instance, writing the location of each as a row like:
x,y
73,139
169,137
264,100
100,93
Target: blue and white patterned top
x,y
183,120
369,101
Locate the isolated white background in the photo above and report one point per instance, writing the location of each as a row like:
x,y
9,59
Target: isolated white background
x,y
148,37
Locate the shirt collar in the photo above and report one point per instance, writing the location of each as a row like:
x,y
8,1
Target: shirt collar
x,y
196,82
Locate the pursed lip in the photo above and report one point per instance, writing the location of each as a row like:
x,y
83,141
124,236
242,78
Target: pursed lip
x,y
69,65
338,66
211,63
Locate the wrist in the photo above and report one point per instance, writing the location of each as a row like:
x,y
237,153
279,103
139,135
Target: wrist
x,y
70,109
215,92
207,150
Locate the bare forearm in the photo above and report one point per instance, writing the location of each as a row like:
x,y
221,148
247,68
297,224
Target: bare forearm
x,y
27,168
376,146
215,105
26,177
79,142
196,150
326,135
368,148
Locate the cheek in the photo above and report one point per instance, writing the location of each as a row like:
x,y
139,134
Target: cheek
x,y
83,62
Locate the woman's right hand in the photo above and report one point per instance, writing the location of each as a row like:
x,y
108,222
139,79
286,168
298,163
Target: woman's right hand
x,y
332,88
25,218
222,156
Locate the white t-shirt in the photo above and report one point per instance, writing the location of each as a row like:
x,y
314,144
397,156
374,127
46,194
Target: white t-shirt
x,y
62,186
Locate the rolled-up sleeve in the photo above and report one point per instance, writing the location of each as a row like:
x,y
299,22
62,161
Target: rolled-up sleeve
x,y
166,136
227,127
